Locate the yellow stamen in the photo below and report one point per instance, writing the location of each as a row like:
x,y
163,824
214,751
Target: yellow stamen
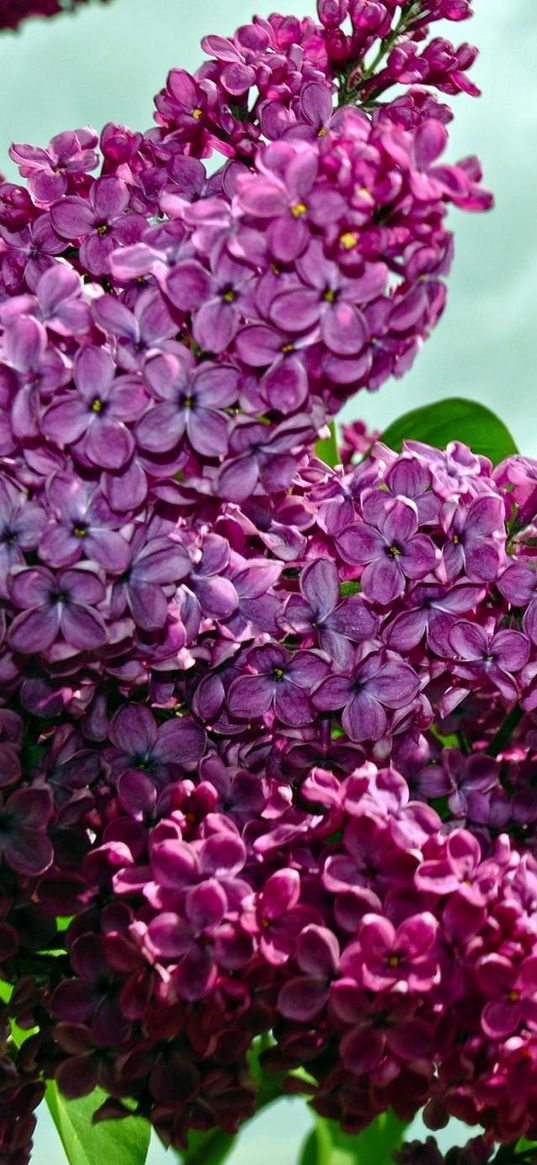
x,y
348,240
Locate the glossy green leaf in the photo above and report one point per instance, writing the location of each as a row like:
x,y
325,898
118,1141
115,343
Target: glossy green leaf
x,y
115,1142
455,419
328,1145
326,449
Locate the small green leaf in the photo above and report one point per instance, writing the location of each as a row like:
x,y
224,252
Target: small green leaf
x,y
328,1145
115,1142
326,449
455,419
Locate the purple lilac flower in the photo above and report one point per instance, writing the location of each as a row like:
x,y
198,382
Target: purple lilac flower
x,y
189,402
275,680
377,681
99,222
320,611
81,524
50,172
54,605
94,418
493,657
390,550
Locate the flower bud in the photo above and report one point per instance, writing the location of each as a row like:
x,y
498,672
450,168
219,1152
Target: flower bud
x,y
332,13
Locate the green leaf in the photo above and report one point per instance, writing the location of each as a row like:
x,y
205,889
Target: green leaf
x,y
115,1142
317,1147
326,449
328,1145
207,1148
454,420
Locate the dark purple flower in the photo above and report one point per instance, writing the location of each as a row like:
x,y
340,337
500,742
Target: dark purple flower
x,y
160,750
279,682
155,562
434,610
317,954
24,844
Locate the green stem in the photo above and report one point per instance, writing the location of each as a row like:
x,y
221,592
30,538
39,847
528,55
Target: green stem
x,y
405,20
505,732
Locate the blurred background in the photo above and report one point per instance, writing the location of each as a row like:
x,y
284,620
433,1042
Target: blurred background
x,y
105,64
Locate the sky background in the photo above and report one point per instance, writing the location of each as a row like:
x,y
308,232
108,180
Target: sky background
x,y
105,63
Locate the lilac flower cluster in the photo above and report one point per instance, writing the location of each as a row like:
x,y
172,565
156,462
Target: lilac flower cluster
x,y
267,728
13,12
238,325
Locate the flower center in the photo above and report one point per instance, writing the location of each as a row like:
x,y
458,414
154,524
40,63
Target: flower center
x,y
394,960
298,209
80,531
286,348
348,240
97,405
229,296
59,597
103,229
395,551
197,113
278,675
330,295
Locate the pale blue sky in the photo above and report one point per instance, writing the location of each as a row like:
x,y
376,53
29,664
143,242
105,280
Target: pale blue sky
x,y
106,63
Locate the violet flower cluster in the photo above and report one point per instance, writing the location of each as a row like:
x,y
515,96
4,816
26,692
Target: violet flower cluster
x,y
267,729
14,12
246,806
